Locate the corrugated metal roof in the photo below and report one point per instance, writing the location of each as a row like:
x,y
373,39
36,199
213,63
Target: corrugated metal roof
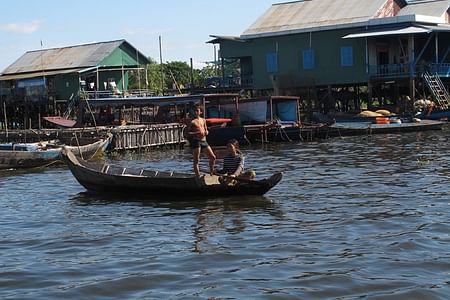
x,y
4,77
287,17
80,56
434,8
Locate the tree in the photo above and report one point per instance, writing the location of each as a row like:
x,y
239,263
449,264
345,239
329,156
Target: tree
x,y
176,75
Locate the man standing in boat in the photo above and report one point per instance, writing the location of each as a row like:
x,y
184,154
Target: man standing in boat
x,y
198,131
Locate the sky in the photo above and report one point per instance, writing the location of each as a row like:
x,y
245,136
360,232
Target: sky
x,y
184,26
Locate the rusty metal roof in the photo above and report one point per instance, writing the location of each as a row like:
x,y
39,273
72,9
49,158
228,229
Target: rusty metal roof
x,y
318,15
73,57
18,76
432,8
284,18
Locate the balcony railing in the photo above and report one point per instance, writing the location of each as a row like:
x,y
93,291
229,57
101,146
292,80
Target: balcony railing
x,y
404,70
442,70
392,70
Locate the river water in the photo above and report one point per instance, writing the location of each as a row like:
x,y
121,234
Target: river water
x,y
354,217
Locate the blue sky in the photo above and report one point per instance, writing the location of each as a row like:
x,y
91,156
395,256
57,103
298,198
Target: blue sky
x,y
184,26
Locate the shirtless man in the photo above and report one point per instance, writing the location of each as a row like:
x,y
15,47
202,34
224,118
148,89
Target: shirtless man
x,y
198,131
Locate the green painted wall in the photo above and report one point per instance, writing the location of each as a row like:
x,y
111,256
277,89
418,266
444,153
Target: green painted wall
x,y
68,84
326,45
65,86
113,75
124,55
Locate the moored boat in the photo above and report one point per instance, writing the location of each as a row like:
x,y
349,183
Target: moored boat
x,y
364,128
41,154
105,178
27,155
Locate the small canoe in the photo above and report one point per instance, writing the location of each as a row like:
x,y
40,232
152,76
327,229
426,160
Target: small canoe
x,y
35,155
105,178
27,155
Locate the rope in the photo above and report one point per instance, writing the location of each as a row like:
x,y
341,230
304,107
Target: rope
x,y
78,144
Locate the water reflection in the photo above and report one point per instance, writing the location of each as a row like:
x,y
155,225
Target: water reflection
x,y
357,217
212,216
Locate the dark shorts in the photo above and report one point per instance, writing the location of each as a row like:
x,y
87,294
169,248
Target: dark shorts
x,y
199,144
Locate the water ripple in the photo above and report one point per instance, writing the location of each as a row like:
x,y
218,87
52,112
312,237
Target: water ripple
x,y
357,217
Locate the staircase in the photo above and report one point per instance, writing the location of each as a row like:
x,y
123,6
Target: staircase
x,y
438,89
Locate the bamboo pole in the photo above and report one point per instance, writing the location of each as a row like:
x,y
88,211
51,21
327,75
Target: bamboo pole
x,y
6,120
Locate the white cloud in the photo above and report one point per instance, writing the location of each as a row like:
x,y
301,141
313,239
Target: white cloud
x,y
22,28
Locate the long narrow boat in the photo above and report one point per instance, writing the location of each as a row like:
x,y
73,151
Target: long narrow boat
x,y
105,178
88,148
33,155
365,128
27,155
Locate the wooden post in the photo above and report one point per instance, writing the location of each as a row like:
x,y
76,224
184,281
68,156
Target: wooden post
x,y
6,120
192,76
162,67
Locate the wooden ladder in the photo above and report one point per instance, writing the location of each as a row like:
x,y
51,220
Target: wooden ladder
x,y
438,90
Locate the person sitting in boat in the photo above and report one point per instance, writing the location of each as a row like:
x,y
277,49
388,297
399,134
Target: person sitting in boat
x,y
233,162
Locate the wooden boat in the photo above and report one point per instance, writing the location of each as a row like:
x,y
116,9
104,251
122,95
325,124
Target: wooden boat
x,y
262,119
105,178
438,114
33,155
364,128
27,155
88,148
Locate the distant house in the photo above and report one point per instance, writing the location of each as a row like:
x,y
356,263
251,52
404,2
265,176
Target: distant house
x,y
50,80
344,50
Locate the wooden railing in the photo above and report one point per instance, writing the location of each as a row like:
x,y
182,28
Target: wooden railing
x,y
404,70
391,70
442,70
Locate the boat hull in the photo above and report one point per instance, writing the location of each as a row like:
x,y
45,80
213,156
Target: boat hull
x,y
114,180
364,128
27,159
219,136
13,159
436,115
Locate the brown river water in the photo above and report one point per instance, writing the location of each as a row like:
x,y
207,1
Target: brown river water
x,y
364,217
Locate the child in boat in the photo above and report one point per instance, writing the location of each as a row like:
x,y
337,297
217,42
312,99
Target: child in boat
x,y
198,131
233,162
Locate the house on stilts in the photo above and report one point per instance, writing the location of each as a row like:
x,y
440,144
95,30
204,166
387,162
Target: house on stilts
x,y
346,55
51,82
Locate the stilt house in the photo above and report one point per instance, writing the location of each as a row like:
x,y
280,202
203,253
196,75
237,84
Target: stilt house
x,y
341,54
51,81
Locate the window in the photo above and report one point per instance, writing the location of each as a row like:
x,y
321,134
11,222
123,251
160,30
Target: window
x,y
347,56
272,63
308,59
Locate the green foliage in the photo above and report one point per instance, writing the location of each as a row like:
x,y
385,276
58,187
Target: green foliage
x,y
175,75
